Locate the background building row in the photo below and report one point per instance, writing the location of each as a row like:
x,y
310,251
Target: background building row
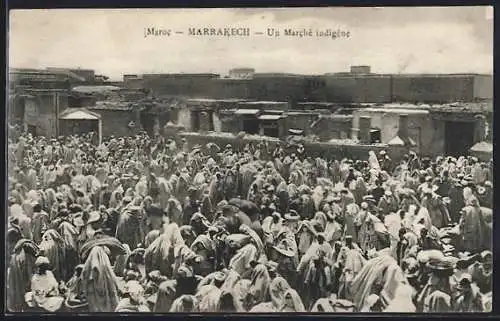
x,y
59,101
357,86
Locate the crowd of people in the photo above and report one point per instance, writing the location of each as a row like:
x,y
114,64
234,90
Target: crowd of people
x,y
146,224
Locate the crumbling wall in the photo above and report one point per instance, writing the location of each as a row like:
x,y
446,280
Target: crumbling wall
x,y
327,128
116,122
184,118
329,150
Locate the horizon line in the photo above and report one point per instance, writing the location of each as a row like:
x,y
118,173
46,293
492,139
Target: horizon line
x,y
55,69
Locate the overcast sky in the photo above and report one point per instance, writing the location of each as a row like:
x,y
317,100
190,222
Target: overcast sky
x,y
390,40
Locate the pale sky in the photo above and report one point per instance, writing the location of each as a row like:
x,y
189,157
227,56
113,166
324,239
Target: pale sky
x,y
390,40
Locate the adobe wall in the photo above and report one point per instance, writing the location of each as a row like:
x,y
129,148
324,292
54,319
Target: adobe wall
x,y
314,149
425,130
115,122
432,89
41,110
373,89
332,128
301,121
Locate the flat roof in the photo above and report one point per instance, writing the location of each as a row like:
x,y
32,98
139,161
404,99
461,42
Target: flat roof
x,y
209,100
276,74
482,147
372,74
40,90
264,102
467,107
47,72
270,117
68,69
396,111
336,116
440,75
34,72
317,103
395,105
270,111
94,89
308,111
167,75
246,111
78,114
234,79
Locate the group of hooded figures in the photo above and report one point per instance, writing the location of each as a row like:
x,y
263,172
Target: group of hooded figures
x,y
142,224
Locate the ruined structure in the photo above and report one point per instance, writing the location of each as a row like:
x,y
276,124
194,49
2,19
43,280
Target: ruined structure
x,y
431,114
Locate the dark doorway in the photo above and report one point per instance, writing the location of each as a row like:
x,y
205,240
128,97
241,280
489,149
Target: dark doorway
x,y
31,129
211,126
251,125
375,136
271,131
167,116
17,111
195,120
74,102
459,138
81,127
147,121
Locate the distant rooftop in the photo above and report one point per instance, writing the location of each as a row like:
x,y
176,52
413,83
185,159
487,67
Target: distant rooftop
x,y
209,100
319,103
408,75
276,74
315,112
257,75
263,102
437,75
94,89
482,147
235,79
335,116
30,70
270,117
246,111
242,70
173,75
65,69
112,105
78,114
472,107
48,71
396,110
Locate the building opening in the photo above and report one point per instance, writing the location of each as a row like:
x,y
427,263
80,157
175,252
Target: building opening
x,y
17,111
271,131
81,127
195,120
375,136
205,120
211,126
147,121
459,137
80,122
31,129
163,118
251,125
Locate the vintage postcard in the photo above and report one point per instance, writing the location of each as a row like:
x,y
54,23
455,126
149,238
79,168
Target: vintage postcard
x,y
250,160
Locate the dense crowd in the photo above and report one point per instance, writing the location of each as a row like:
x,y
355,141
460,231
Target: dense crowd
x,y
146,224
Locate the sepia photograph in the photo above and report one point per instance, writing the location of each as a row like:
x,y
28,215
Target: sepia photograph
x,y
250,160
